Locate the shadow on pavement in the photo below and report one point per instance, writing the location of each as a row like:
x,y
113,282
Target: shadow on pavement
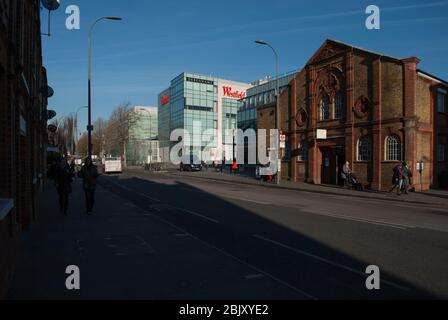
x,y
164,240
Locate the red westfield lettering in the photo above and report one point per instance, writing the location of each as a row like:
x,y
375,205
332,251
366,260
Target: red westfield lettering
x,y
164,100
233,94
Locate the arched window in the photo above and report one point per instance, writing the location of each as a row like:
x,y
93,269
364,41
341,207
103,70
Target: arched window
x,y
338,106
393,148
364,149
303,152
325,108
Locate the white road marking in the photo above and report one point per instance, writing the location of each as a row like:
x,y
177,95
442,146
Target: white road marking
x,y
149,197
351,218
196,214
309,296
335,264
247,200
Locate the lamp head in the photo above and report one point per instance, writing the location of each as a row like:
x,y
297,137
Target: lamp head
x,y
260,42
114,18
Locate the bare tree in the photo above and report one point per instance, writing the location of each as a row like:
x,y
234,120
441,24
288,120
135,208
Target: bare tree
x,y
82,145
117,133
99,136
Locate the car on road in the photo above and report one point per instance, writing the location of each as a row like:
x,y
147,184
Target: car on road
x,y
112,165
190,163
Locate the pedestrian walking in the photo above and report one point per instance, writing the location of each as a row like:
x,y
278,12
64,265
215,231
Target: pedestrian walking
x,y
234,167
89,174
397,178
346,172
63,180
407,176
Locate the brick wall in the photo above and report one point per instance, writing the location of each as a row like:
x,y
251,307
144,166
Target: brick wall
x,y
22,152
383,96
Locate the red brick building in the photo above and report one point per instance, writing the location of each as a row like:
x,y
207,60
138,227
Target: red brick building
x,y
22,125
375,110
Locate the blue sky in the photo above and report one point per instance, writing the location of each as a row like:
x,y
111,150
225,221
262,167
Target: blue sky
x,y
135,59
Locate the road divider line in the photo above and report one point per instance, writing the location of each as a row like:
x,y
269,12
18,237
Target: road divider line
x,y
284,283
247,200
351,218
196,214
149,197
335,264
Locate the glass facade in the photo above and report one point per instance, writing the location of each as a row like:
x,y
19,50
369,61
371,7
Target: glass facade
x,y
143,135
164,118
205,107
261,94
146,124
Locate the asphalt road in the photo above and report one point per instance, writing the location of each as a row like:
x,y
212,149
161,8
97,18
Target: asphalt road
x,y
317,246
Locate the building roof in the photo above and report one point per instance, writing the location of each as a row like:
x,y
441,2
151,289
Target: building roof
x,y
340,44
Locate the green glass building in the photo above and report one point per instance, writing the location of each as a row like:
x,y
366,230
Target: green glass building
x,y
205,107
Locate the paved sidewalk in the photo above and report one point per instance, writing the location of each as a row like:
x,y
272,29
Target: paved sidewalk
x,y
433,197
126,252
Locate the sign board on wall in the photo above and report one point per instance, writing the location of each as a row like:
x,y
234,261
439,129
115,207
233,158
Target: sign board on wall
x,y
164,100
228,92
420,166
321,134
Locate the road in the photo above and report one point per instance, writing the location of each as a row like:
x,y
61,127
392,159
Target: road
x,y
317,246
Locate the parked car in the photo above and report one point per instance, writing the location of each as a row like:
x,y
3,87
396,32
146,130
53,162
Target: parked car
x,y
112,165
190,163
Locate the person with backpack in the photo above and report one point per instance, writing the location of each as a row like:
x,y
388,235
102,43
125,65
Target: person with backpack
x,y
89,174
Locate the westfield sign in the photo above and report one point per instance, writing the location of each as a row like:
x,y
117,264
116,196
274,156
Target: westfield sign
x,y
164,100
233,94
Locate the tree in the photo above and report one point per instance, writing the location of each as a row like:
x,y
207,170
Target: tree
x,y
117,132
99,136
63,138
82,145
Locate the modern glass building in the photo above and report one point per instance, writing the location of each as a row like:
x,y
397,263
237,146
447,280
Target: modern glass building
x,y
205,107
146,124
143,136
261,94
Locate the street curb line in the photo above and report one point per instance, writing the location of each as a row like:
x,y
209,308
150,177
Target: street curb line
x,y
303,190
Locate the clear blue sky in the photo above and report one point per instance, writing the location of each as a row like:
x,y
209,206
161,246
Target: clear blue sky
x,y
133,60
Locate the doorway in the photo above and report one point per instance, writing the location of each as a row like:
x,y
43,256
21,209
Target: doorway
x,y
333,159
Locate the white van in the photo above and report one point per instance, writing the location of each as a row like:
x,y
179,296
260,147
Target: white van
x,y
112,165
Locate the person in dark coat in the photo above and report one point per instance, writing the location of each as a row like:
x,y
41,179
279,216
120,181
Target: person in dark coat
x,y
407,176
397,178
89,174
63,180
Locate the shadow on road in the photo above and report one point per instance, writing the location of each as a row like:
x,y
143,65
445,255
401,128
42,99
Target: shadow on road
x,y
275,250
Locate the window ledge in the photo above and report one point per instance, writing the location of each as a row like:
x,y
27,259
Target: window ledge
x,y
6,205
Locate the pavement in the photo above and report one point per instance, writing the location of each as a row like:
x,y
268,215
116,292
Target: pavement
x,y
173,236
439,196
125,252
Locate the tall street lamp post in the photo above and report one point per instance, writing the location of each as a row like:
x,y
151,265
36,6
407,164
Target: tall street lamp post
x,y
89,126
76,125
277,95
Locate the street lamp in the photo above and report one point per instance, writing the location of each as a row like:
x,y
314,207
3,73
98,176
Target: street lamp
x,y
277,94
76,124
89,126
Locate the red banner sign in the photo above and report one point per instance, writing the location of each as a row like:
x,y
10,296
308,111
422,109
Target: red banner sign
x,y
233,94
164,100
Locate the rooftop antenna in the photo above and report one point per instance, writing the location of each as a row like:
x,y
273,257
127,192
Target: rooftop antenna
x,y
50,5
